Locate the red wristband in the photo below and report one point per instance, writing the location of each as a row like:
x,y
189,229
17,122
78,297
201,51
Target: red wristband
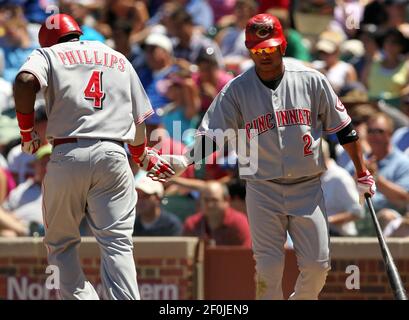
x,y
363,174
25,121
137,151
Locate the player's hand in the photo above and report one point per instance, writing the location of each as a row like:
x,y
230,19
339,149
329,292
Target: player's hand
x,y
179,163
158,168
30,141
366,184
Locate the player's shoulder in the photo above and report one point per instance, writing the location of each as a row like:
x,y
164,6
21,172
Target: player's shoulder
x,y
300,68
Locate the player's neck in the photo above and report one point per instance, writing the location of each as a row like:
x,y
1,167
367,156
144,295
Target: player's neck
x,y
271,74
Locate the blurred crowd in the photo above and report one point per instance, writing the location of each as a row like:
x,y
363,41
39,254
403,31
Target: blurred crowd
x,y
184,52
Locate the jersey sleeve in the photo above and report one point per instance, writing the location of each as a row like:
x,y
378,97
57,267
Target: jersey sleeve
x,y
332,112
141,105
37,64
222,119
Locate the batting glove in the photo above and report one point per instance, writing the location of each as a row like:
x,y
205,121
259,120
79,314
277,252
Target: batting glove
x,y
158,168
30,141
366,184
179,163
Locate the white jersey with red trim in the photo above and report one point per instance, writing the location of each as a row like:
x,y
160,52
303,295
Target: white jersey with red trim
x,y
87,86
288,122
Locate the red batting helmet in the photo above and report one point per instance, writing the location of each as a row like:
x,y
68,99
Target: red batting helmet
x,y
56,27
264,30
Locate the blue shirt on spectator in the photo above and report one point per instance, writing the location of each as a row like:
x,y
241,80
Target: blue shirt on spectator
x,y
13,60
166,225
91,34
149,80
400,138
395,168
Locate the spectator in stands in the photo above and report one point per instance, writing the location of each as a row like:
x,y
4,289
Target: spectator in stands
x,y
338,72
17,47
222,8
359,115
200,11
158,53
390,168
80,10
218,222
396,11
20,163
121,32
369,36
400,137
10,226
25,201
151,219
295,43
398,227
388,78
189,42
341,197
211,78
231,36
6,95
181,116
129,10
237,193
7,183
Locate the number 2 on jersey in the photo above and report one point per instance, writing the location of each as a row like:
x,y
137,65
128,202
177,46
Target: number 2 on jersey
x,y
93,91
307,144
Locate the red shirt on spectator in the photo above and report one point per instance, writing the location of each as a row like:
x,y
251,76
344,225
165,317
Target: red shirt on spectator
x,y
264,5
234,230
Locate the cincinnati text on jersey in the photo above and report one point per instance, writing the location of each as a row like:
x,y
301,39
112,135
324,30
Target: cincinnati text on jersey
x,y
283,118
93,57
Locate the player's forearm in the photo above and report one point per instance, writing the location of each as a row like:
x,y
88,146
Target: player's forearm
x,y
25,89
140,135
355,153
9,222
195,184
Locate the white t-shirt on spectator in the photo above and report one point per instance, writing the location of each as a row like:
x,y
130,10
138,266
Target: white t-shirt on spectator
x,y
25,201
341,195
20,163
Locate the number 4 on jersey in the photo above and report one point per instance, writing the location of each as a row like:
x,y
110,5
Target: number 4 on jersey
x,y
93,91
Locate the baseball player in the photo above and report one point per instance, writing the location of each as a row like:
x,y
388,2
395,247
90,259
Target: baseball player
x,y
286,107
95,103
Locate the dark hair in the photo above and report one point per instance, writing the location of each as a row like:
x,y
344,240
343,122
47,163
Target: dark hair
x,y
180,15
207,55
398,37
123,25
237,189
69,37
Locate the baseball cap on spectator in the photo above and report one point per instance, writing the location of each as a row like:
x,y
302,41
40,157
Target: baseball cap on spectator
x,y
353,92
43,151
149,186
159,40
329,41
207,55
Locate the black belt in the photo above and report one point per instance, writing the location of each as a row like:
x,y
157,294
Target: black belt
x,y
58,141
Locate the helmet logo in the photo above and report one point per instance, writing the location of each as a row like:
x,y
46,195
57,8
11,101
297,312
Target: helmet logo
x,y
263,32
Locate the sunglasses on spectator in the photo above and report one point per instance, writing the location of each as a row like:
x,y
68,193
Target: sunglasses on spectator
x,y
376,131
267,50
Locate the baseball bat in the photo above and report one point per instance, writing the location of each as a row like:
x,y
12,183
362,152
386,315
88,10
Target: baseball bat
x,y
395,280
